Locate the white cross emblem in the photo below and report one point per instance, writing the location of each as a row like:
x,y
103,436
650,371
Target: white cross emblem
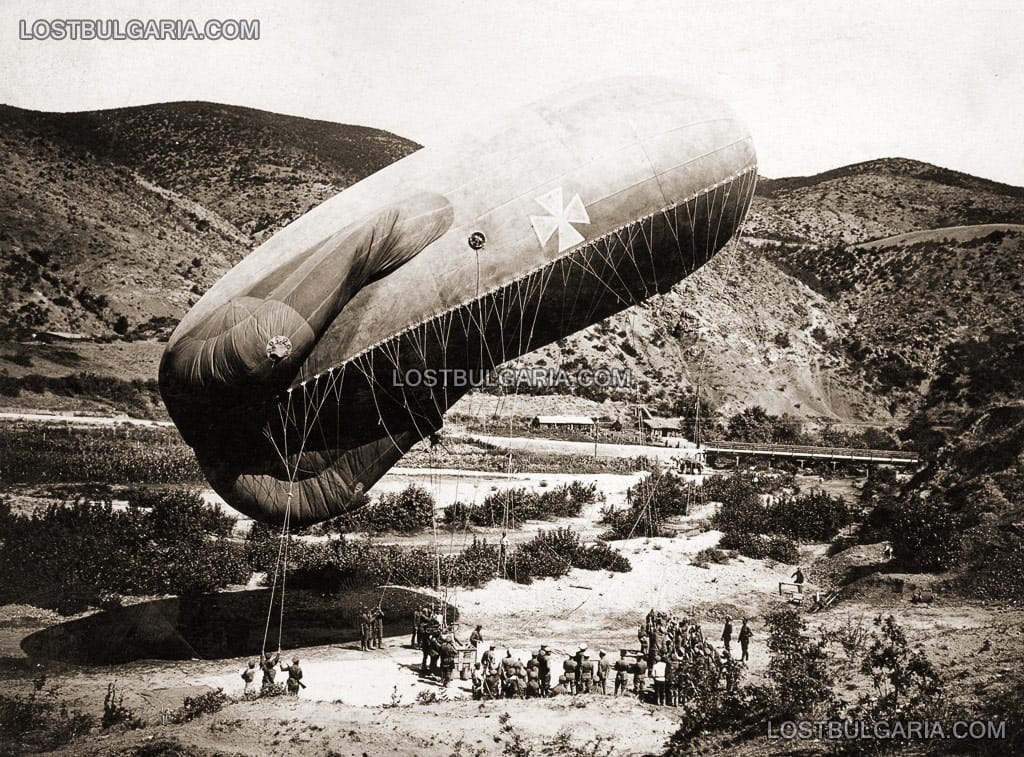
x,y
561,219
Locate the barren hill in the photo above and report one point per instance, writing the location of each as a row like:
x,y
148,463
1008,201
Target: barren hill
x,y
113,222
120,219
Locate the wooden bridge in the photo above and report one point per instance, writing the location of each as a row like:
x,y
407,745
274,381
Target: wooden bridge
x,y
807,452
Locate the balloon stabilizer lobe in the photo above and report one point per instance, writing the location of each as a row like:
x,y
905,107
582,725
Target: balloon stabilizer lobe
x,y
281,377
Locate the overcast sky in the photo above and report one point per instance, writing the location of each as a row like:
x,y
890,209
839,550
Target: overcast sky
x,y
821,84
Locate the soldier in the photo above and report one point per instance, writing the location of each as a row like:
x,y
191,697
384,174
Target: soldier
x,y
564,684
416,620
639,674
425,648
476,637
508,673
671,680
478,681
488,661
544,669
249,676
586,672
580,653
798,576
378,627
492,683
434,639
533,676
603,667
642,637
727,636
448,655
365,629
658,674
269,667
294,672
745,635
569,670
621,674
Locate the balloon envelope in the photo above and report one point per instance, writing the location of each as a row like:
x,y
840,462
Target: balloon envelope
x,y
294,377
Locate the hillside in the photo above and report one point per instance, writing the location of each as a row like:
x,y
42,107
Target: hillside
x,y
850,296
116,221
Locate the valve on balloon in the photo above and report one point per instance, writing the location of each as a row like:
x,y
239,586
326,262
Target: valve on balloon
x,y
279,347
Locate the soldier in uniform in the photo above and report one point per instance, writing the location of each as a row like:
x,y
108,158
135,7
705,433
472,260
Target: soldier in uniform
x,y
476,637
544,669
249,676
639,674
586,672
269,667
621,674
727,636
671,680
378,628
448,655
603,667
569,670
488,661
492,683
416,620
294,672
745,635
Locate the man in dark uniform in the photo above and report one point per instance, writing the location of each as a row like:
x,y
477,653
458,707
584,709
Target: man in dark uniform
x,y
569,670
448,655
727,636
269,667
416,620
745,635
294,672
378,627
586,671
476,637
603,667
425,647
488,661
621,674
544,669
639,676
671,680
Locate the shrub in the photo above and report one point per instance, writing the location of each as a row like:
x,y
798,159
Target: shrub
x,y
39,721
193,707
799,673
926,534
761,547
710,555
82,552
407,511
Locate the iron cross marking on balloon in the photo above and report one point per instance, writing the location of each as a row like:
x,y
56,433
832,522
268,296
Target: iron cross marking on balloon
x,y
561,219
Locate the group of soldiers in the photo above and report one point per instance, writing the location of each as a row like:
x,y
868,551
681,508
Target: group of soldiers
x,y
438,644
371,627
269,663
674,659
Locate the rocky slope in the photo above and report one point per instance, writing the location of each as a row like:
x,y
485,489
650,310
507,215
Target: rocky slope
x,y
859,294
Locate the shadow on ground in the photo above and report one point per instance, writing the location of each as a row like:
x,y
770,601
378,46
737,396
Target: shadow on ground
x,y
226,624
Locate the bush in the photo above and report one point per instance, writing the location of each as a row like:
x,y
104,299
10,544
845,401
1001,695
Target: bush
x,y
39,721
710,555
407,511
193,707
761,547
799,673
926,533
70,556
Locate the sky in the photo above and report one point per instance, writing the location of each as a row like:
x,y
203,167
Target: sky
x,y
820,84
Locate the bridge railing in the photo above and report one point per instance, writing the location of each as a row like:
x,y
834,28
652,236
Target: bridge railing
x,y
797,450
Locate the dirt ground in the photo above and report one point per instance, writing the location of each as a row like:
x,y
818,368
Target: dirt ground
x,y
370,703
